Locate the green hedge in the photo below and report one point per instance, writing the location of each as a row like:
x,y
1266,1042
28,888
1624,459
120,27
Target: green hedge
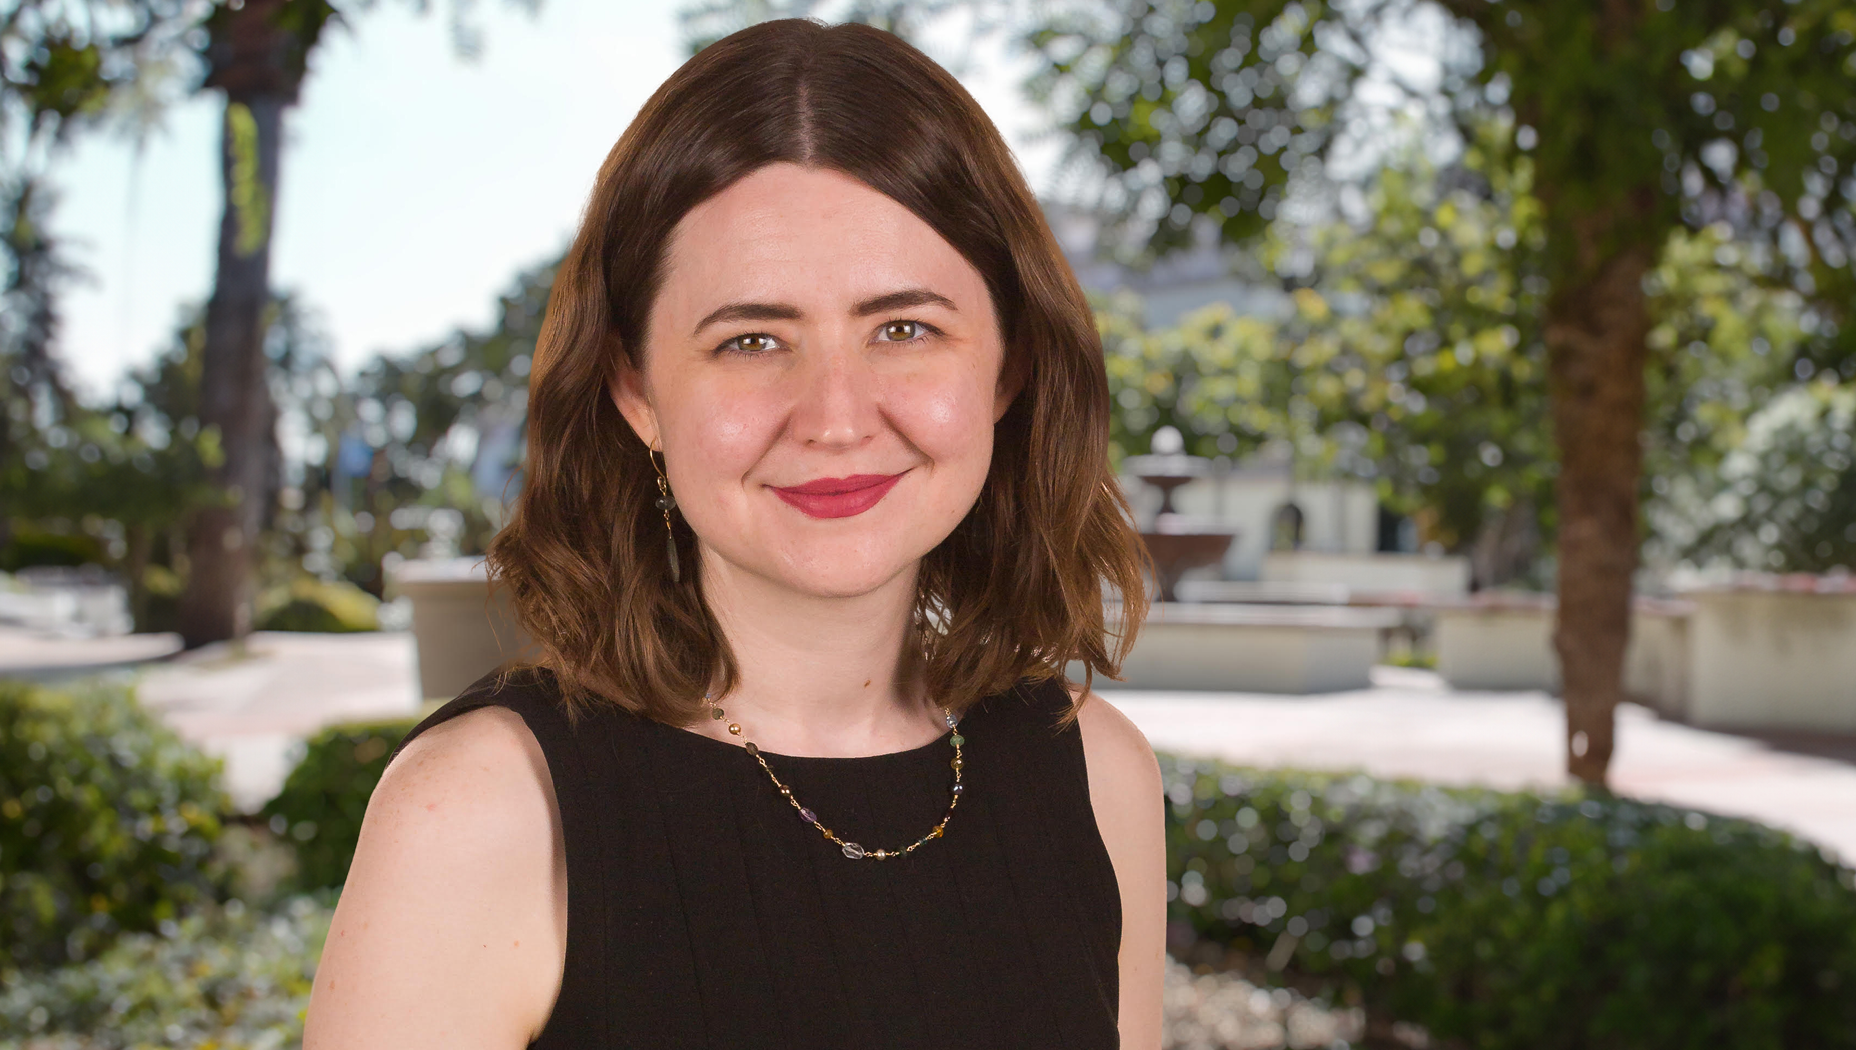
x,y
323,800
1495,920
220,977
1501,920
31,546
107,821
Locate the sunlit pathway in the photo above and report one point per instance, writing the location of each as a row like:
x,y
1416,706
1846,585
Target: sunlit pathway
x,y
1411,725
42,656
252,702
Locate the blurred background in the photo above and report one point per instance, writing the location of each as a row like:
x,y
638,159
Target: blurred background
x,y
1484,379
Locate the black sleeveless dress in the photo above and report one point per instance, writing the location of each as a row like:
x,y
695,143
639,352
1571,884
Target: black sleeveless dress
x,y
703,913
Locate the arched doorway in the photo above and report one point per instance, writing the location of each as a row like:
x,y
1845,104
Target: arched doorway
x,y
1286,528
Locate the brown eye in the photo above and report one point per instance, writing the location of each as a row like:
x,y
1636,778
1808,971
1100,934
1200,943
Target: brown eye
x,y
900,331
753,343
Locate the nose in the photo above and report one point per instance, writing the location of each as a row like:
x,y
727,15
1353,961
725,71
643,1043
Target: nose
x,y
835,406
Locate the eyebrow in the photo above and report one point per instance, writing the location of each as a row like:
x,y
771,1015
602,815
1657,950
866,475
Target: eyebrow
x,y
899,300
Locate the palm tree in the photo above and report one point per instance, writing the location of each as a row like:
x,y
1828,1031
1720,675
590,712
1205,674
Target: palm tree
x,y
257,53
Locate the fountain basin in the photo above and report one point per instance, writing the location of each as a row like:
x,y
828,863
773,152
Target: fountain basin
x,y
1176,553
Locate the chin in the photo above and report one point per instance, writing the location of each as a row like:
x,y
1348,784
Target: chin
x,y
847,558
818,569
833,575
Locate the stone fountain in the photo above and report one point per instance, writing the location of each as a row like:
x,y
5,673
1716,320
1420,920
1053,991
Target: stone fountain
x,y
1175,542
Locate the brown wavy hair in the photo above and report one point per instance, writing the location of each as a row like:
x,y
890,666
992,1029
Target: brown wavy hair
x,y
1016,591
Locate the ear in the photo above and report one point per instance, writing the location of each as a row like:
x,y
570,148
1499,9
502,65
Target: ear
x,y
1014,371
626,385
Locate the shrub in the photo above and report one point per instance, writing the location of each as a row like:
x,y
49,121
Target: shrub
x,y
319,606
161,590
229,977
325,796
30,546
1503,920
107,821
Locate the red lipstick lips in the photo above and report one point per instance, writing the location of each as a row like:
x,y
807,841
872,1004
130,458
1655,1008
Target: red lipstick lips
x,y
839,497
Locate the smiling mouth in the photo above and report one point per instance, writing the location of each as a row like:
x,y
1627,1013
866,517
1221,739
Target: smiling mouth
x,y
838,497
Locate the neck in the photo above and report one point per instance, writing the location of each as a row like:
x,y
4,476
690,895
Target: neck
x,y
820,676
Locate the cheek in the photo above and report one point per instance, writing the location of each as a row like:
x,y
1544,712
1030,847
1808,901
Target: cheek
x,y
948,417
725,431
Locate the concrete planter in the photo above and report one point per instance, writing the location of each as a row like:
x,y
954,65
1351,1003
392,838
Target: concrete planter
x,y
462,632
1775,659
1371,573
1254,649
1658,664
1506,643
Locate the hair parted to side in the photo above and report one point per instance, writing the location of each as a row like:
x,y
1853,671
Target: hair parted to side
x,y
1016,591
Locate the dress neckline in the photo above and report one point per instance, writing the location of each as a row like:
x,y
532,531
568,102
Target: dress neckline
x,y
822,760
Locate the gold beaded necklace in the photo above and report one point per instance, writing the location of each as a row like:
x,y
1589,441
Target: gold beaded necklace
x,y
851,849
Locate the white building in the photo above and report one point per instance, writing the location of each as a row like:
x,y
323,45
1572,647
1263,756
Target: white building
x,y
1269,509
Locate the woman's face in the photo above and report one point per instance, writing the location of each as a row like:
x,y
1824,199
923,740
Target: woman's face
x,y
822,373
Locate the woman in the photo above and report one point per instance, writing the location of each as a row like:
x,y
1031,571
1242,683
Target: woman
x,y
816,468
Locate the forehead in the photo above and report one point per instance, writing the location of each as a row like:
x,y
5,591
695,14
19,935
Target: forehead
x,y
814,237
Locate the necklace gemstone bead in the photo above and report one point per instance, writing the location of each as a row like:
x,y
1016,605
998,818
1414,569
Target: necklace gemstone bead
x,y
853,850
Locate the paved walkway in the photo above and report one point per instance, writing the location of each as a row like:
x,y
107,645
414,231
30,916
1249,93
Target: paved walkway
x,y
43,656
1412,725
253,703
250,702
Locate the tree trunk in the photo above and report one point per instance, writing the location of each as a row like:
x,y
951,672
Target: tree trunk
x,y
234,397
1595,334
135,567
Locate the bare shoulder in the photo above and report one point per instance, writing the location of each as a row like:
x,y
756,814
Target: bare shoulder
x,y
451,927
468,790
487,755
1125,793
1115,748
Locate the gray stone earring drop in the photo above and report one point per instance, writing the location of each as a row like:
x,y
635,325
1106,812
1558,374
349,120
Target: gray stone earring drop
x,y
667,503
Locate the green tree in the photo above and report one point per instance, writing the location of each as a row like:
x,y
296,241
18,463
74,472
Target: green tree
x,y
1747,454
257,53
163,407
129,474
1785,497
1417,340
1219,379
440,430
439,434
1641,116
1413,355
1754,97
65,66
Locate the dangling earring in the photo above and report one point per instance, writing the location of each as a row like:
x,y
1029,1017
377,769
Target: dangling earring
x,y
666,503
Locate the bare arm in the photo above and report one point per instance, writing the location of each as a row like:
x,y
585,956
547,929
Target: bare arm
x,y
1125,792
452,927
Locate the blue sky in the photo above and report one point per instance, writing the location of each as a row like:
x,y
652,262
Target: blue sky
x,y
414,185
